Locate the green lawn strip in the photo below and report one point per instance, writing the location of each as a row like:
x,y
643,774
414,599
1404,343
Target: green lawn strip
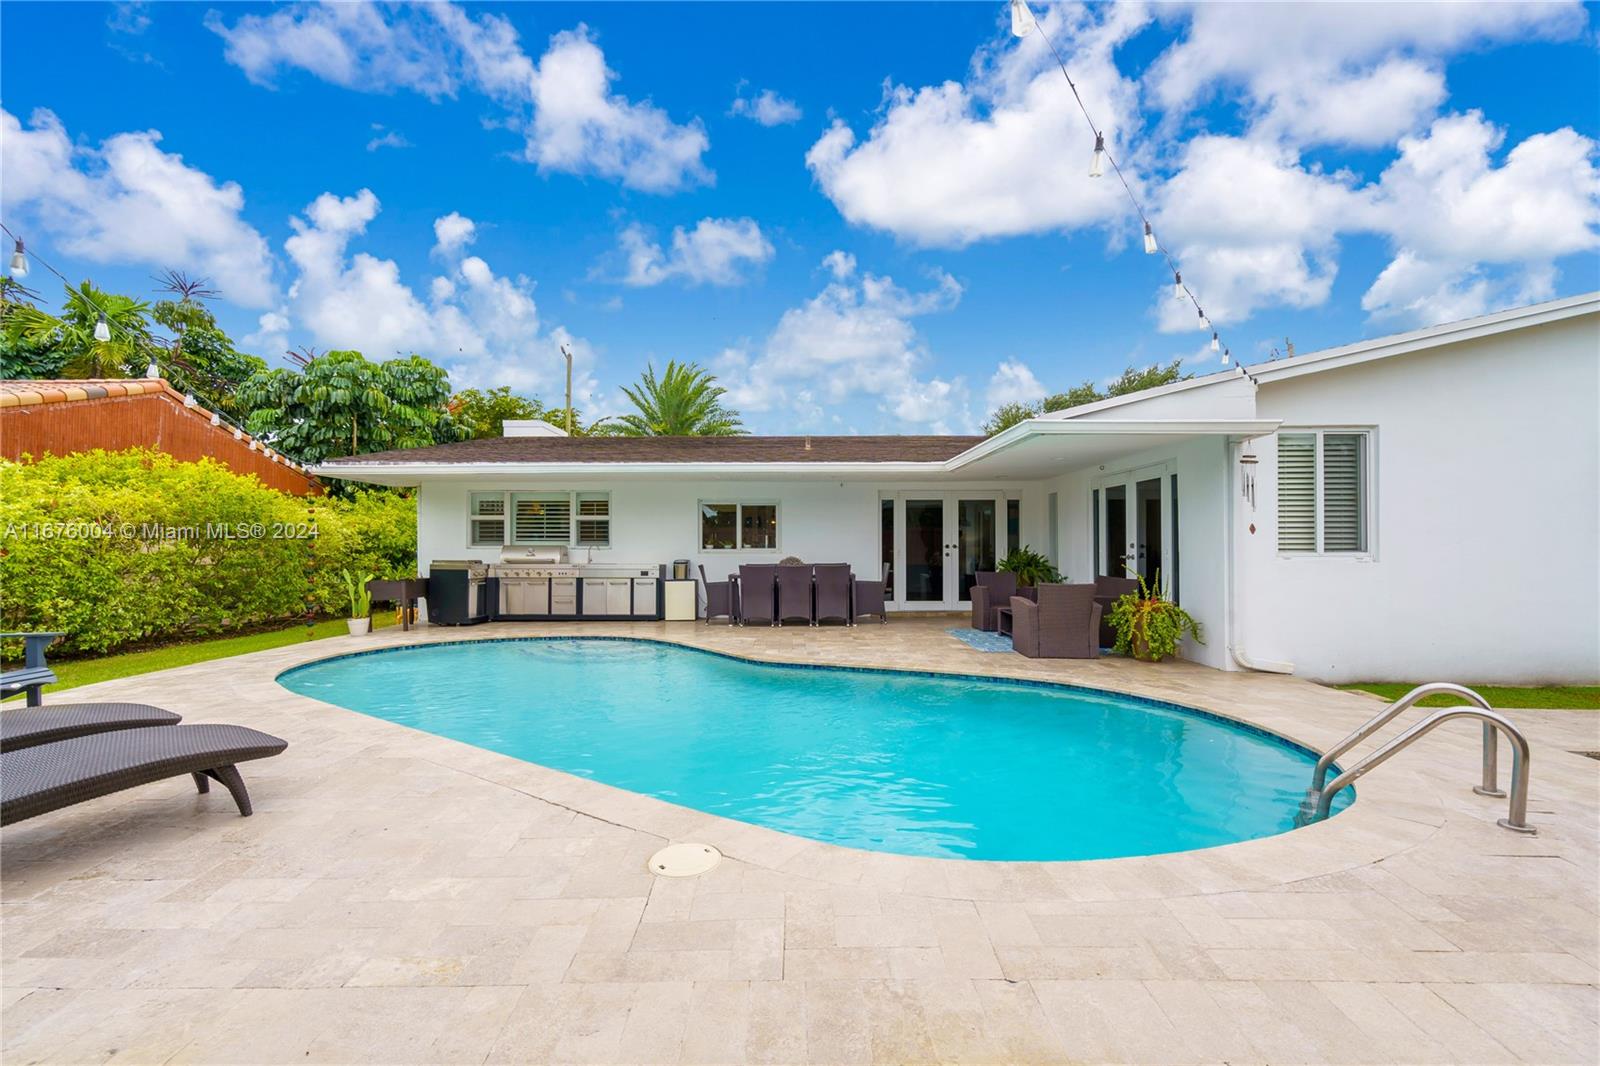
x,y
1547,697
75,672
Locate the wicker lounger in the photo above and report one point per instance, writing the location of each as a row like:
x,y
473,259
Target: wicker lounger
x,y
26,726
48,777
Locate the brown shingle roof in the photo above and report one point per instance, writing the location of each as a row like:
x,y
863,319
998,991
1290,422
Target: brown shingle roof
x,y
886,449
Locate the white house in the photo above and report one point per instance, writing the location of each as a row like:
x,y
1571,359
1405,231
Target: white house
x,y
1419,506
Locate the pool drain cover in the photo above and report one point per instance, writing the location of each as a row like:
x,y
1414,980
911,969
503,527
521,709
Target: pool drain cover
x,y
684,860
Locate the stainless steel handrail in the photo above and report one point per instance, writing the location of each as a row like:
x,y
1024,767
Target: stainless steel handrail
x,y
1516,817
1491,770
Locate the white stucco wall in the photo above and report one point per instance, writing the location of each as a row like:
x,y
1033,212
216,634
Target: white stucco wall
x,y
1486,529
656,521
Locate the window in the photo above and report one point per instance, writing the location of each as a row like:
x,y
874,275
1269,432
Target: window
x,y
594,519
487,518
1322,491
736,526
1013,524
541,518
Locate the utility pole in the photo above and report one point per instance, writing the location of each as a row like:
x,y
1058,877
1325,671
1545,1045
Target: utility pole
x,y
568,353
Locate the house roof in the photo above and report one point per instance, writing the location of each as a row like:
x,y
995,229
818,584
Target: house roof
x,y
29,393
1363,351
65,416
673,450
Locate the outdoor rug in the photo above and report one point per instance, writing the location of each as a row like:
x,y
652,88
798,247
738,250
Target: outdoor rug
x,y
978,639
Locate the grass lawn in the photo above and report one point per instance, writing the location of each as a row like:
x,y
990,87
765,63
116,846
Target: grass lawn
x,y
1551,697
75,672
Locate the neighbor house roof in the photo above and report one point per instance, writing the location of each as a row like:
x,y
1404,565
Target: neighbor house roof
x,y
634,450
64,417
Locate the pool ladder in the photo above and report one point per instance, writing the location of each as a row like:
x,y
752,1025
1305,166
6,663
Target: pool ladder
x,y
1320,795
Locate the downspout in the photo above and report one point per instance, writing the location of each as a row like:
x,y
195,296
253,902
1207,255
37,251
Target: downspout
x,y
1230,614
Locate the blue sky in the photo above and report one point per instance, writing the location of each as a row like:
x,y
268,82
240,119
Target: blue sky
x,y
865,218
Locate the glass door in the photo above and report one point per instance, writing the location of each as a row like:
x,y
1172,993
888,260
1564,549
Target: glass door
x,y
927,550
1136,526
934,544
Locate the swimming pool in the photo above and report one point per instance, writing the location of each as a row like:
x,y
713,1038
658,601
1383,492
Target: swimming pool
x,y
917,764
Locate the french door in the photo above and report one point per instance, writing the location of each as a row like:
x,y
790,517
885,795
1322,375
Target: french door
x,y
935,542
1136,526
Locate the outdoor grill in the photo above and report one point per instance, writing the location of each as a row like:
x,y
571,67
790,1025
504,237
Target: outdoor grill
x,y
542,583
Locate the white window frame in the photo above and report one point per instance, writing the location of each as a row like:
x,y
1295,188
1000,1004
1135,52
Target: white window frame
x,y
1369,492
473,518
738,524
579,518
509,535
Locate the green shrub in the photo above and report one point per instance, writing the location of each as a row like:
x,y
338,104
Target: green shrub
x,y
117,548
1148,625
1031,567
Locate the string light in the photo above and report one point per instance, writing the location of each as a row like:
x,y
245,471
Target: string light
x,y
102,328
152,371
19,261
1023,23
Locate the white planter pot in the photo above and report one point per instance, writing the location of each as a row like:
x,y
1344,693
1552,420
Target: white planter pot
x,y
359,626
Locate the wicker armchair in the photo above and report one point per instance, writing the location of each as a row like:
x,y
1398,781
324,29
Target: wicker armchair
x,y
795,602
867,598
1107,591
992,591
833,593
719,598
758,594
1063,624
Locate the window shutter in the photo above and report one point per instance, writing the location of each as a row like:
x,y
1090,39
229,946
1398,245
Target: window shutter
x,y
1343,492
541,520
488,518
594,519
1297,492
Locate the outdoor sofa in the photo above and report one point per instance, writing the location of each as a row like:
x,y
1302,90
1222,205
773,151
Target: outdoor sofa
x,y
47,777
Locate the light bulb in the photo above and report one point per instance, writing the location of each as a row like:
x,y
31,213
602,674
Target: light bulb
x,y
236,433
19,261
1226,355
102,328
216,419
1177,286
1216,343
152,371
1149,240
1097,164
1021,19
189,400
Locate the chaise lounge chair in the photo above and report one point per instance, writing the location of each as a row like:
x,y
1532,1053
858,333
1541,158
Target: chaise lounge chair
x,y
33,675
30,726
48,777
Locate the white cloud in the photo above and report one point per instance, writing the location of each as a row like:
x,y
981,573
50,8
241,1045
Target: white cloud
x,y
717,251
1004,153
1252,227
386,138
130,202
483,327
1337,73
840,264
452,233
1013,382
563,105
349,44
766,107
854,340
1449,211
580,126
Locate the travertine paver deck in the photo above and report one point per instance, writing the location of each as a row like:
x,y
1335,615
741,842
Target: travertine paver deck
x,y
400,897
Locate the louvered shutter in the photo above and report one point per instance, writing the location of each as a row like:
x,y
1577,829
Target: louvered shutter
x,y
541,519
1297,492
488,518
1343,492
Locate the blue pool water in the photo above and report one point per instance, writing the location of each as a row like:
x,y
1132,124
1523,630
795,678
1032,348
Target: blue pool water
x,y
910,763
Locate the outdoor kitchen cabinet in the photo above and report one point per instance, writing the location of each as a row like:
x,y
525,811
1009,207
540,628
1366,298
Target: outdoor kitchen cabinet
x,y
607,596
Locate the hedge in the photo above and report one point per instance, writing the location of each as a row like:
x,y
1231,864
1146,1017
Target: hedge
x,y
117,548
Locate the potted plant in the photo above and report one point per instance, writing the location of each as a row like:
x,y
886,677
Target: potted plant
x,y
1149,626
1030,567
360,603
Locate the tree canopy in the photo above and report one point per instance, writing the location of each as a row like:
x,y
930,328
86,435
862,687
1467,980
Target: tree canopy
x,y
481,412
341,404
685,401
1130,380
69,336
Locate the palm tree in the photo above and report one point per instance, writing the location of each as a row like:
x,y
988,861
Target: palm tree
x,y
72,332
684,402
